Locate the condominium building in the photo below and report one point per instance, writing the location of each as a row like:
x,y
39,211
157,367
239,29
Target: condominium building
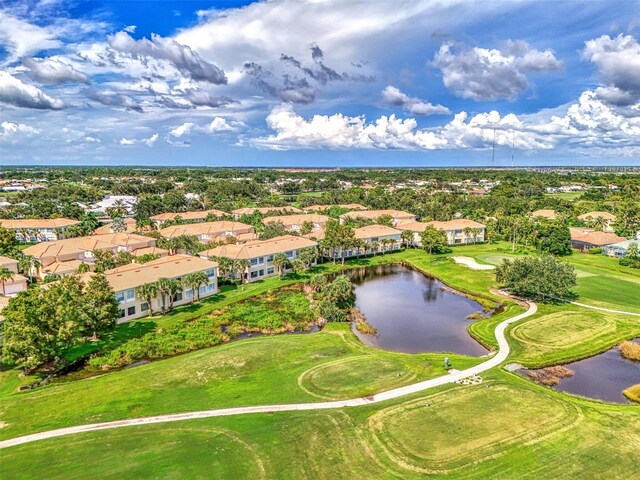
x,y
396,215
264,211
126,281
39,230
459,231
54,256
210,231
17,283
294,223
346,206
188,217
260,254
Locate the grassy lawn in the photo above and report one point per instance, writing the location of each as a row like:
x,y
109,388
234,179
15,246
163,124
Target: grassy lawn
x,y
504,428
571,196
260,370
563,333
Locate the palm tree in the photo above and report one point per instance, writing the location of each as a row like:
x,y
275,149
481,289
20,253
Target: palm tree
x,y
467,234
374,247
280,261
242,265
194,281
164,286
26,264
82,268
5,275
407,237
174,289
148,292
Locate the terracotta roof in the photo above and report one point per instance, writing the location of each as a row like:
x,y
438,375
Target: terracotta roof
x,y
374,214
348,206
264,210
593,237
549,214
594,215
151,251
299,219
7,261
375,231
260,248
195,215
130,224
213,229
62,268
134,275
412,225
68,246
458,224
38,223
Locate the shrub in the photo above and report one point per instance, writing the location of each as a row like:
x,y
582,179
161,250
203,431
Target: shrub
x,y
594,251
550,376
630,350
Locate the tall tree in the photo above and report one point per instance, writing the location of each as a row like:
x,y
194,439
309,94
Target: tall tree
x,y
148,292
101,306
433,240
194,281
538,277
5,276
280,261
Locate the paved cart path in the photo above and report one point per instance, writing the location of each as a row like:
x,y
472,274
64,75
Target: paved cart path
x,y
495,360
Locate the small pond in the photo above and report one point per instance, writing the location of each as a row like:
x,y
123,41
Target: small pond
x,y
603,377
412,312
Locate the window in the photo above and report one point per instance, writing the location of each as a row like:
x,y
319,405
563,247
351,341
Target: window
x,y
289,254
211,273
254,274
270,270
144,307
130,294
261,260
254,261
211,287
120,297
270,258
203,289
177,297
188,293
131,311
261,273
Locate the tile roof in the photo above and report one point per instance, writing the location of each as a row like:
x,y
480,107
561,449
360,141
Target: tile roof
x,y
374,214
548,214
265,210
348,206
260,248
194,215
593,237
375,231
299,219
213,229
38,223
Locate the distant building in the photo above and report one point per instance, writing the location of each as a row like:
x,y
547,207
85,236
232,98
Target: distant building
x,y
606,218
190,217
210,231
346,206
39,230
459,231
396,215
619,250
586,238
548,214
264,211
126,202
294,223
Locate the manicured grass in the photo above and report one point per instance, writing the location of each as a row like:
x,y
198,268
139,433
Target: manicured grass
x,y
571,196
563,333
505,428
633,393
259,370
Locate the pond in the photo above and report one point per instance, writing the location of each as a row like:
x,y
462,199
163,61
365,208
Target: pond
x,y
412,312
602,377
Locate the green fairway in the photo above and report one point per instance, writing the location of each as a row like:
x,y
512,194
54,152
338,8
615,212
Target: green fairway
x,y
559,334
262,370
504,429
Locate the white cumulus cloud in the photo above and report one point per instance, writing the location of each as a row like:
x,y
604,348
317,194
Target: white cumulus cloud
x,y
14,91
491,74
53,71
393,96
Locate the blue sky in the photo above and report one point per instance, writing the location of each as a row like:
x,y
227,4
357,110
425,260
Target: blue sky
x,y
307,83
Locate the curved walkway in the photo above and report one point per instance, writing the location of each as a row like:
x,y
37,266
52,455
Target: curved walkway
x,y
494,361
602,309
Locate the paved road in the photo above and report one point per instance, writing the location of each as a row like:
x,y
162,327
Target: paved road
x,y
495,360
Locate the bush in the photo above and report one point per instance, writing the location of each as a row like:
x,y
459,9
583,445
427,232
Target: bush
x,y
630,350
594,251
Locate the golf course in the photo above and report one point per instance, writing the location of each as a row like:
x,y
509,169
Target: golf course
x,y
502,425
